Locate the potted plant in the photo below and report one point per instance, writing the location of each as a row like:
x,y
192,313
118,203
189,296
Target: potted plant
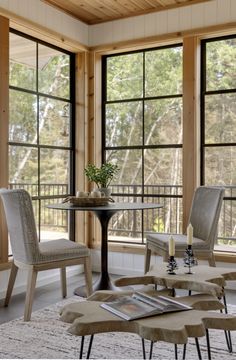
x,y
102,176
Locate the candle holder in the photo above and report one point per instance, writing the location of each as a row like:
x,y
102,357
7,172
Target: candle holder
x,y
189,259
172,265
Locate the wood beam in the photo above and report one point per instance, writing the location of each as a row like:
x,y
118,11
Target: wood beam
x,y
4,121
190,123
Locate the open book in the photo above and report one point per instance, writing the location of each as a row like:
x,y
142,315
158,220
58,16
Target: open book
x,y
140,305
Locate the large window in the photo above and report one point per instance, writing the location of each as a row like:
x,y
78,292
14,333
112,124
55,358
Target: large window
x,y
218,138
142,133
41,145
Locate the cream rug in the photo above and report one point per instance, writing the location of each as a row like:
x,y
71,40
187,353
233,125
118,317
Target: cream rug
x,y
46,337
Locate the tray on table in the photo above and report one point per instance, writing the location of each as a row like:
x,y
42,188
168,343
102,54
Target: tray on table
x,y
88,201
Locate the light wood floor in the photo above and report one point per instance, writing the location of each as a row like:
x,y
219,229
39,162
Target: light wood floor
x,y
51,294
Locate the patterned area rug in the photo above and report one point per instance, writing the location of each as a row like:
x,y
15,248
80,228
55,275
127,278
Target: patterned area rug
x,y
46,337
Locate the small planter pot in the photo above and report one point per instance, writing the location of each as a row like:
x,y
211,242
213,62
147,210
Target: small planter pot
x,y
106,191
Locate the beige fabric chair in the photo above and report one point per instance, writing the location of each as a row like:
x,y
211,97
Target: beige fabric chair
x,y
30,254
204,217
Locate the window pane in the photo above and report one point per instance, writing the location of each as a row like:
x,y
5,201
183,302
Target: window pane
x,y
125,77
22,62
23,117
23,167
163,69
54,223
220,165
54,169
220,64
220,118
124,124
166,219
126,225
163,121
227,227
130,165
163,167
54,72
54,122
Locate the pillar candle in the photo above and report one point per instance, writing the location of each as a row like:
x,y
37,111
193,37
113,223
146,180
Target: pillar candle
x,y
190,234
171,246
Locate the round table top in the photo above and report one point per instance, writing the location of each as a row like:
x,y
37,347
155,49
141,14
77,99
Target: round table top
x,y
109,207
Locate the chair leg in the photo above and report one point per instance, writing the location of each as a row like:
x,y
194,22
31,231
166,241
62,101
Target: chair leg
x,y
63,282
211,260
88,275
147,259
32,276
11,282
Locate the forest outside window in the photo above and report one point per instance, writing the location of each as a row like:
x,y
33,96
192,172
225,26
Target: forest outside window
x,y
218,119
142,133
41,145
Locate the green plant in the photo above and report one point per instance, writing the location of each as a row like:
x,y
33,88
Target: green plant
x,y
102,176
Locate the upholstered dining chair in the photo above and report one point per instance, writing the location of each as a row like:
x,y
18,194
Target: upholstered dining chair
x,y
30,254
204,217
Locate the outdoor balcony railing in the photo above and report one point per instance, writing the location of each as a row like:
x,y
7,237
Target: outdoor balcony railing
x,y
127,226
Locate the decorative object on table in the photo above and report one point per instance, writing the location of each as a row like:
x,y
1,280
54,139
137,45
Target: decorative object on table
x,y
97,194
102,176
189,259
82,194
88,201
172,264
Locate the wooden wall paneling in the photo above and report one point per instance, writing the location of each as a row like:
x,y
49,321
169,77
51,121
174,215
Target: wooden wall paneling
x,y
42,32
167,38
190,123
4,116
81,125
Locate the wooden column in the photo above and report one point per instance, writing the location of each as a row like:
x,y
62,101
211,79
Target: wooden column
x,y
190,123
4,120
81,125
94,133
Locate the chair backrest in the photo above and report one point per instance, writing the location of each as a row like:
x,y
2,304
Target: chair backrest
x,y
205,213
21,224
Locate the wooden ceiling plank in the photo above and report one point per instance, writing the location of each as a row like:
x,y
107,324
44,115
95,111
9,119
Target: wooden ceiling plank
x,y
142,5
117,7
98,11
155,4
75,10
128,6
106,8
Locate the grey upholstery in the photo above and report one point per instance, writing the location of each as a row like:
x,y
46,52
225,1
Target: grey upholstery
x,y
29,254
204,217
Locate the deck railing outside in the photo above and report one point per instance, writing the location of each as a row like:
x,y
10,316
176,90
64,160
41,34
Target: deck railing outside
x,y
127,226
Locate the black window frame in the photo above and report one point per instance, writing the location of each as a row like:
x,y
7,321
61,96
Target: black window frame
x,y
38,146
143,146
203,93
